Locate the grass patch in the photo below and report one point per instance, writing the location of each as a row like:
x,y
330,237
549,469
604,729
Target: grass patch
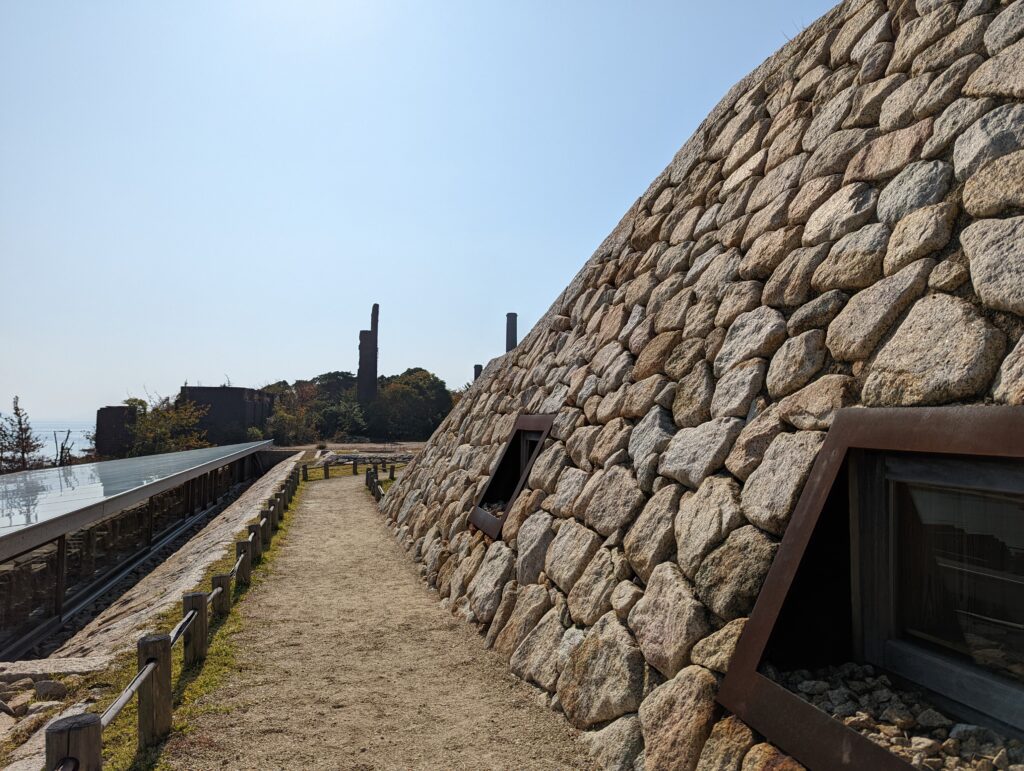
x,y
189,685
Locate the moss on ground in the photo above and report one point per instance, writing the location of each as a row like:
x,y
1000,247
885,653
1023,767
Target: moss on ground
x,y
189,685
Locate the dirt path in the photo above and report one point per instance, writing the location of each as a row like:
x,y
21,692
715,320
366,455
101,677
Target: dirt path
x,y
347,662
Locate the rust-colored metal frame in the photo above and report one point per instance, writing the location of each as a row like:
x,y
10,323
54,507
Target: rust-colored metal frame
x,y
800,729
485,520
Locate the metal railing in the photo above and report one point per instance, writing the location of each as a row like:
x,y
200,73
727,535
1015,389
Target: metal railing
x,y
76,743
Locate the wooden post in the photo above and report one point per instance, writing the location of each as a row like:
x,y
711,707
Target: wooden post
x,y
243,549
355,467
155,692
222,602
327,470
79,738
305,472
195,636
257,542
274,518
265,516
391,472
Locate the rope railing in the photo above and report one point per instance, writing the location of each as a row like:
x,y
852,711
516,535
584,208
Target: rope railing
x,y
76,742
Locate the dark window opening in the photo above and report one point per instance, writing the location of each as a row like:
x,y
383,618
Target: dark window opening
x,y
820,595
509,477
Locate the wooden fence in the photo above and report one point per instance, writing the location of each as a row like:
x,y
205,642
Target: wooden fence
x,y
76,743
373,469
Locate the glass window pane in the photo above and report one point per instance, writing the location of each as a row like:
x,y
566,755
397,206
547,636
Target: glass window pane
x,y
960,573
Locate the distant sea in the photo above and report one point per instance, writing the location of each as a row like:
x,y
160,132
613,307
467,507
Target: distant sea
x,y
44,429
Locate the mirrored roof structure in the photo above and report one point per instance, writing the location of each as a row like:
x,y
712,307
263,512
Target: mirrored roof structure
x,y
37,506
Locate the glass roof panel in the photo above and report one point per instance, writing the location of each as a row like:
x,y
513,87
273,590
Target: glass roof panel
x,y
28,498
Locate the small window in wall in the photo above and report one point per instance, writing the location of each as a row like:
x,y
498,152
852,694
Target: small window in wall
x,y
940,557
900,574
510,475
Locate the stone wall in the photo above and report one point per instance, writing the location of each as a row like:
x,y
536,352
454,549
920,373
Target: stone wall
x,y
842,230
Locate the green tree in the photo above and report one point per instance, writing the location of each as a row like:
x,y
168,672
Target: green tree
x,y
165,426
409,406
342,419
20,447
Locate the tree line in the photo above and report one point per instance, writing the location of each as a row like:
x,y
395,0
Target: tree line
x,y
408,407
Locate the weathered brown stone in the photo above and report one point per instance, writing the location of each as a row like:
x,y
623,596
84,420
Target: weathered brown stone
x,y
764,757
651,540
752,443
790,284
668,620
536,657
1000,76
885,156
846,211
995,251
812,194
853,262
677,719
616,746
591,595
695,453
651,360
859,327
942,352
532,602
736,390
603,678
715,651
755,334
692,404
730,577
813,407
818,313
1009,385
772,489
997,187
569,554
728,743
919,234
705,519
615,502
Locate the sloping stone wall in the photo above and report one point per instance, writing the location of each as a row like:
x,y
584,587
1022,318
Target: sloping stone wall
x,y
844,229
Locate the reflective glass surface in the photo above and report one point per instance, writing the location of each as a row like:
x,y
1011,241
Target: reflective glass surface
x,y
960,557
30,497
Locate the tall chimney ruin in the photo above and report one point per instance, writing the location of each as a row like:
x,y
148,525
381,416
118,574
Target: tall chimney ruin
x,y
511,335
366,380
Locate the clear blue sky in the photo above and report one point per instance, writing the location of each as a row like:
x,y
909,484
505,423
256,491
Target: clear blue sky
x,y
200,189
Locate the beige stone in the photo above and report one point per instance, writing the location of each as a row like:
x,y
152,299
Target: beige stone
x,y
668,620
677,719
944,351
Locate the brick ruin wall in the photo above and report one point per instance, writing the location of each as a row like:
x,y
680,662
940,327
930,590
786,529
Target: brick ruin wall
x,y
843,229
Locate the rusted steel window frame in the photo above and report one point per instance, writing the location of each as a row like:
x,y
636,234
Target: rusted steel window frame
x,y
814,738
485,520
